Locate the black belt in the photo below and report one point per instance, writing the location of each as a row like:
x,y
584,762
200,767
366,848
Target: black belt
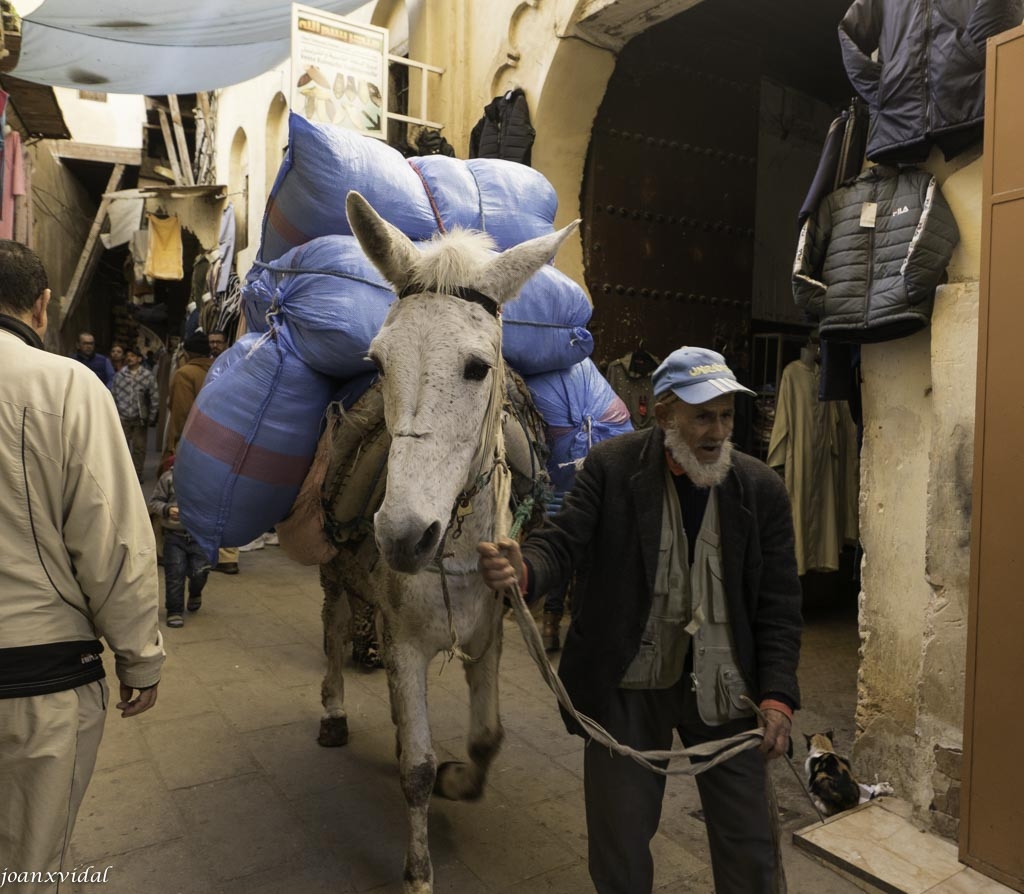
x,y
51,667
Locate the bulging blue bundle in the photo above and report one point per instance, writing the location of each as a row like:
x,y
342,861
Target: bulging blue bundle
x,y
331,297
334,302
516,202
544,328
248,442
579,409
508,201
322,164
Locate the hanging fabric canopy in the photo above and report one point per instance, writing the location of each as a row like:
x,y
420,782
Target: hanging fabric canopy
x,y
153,47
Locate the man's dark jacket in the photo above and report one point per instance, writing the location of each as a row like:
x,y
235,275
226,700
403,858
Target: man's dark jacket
x,y
99,364
610,526
928,85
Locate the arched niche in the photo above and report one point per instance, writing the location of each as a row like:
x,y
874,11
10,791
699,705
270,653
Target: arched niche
x,y
238,187
277,138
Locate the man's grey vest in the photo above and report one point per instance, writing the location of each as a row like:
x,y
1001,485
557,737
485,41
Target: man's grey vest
x,y
690,605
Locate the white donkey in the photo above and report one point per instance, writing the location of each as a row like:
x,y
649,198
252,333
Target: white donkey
x,y
439,355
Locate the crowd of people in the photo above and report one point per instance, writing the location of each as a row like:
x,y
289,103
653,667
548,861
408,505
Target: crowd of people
x,y
681,550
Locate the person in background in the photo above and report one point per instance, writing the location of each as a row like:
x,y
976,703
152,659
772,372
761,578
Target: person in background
x,y
218,342
135,395
86,353
183,557
185,385
691,605
116,357
78,565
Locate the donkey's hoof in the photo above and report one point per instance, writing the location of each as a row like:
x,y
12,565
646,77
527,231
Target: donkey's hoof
x,y
333,732
456,781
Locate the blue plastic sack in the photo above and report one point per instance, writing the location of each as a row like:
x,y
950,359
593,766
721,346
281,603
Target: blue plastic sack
x,y
249,442
331,297
509,201
322,164
580,409
544,328
334,302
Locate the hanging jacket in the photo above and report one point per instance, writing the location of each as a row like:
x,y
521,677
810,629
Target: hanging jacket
x,y
869,262
504,131
842,156
928,85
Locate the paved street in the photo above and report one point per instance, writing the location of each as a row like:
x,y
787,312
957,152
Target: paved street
x,y
222,787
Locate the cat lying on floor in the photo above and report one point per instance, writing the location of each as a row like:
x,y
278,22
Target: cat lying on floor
x,y
830,780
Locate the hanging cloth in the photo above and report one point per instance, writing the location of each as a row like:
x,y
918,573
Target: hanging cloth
x,y
13,182
163,259
635,388
804,444
125,216
226,246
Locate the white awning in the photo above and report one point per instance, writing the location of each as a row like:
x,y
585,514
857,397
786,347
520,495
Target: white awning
x,y
155,47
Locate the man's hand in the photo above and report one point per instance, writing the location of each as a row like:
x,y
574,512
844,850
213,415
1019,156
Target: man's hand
x,y
173,513
145,700
501,564
776,733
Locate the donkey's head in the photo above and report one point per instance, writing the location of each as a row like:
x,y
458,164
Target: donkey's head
x,y
439,356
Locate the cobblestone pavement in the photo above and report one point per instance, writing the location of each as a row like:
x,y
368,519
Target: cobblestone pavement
x,y
222,787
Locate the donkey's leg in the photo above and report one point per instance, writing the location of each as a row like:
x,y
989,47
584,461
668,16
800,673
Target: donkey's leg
x,y
337,622
465,782
407,683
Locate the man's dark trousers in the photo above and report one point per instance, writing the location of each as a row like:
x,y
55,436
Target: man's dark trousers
x,y
623,799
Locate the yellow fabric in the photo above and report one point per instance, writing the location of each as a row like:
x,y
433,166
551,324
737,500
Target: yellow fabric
x,y
163,256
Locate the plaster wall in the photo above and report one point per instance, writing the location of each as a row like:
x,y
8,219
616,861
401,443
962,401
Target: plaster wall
x,y
116,122
916,467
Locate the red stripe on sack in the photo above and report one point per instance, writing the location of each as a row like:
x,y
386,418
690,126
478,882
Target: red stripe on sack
x,y
430,198
285,228
252,461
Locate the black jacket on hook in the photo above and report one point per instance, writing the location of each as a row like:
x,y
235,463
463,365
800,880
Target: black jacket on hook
x,y
504,131
928,85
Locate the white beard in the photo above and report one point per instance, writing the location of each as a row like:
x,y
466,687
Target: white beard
x,y
701,474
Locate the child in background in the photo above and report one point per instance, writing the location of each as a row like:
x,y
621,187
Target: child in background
x,y
182,555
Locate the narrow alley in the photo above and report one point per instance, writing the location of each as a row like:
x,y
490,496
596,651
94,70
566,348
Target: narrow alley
x,y
222,788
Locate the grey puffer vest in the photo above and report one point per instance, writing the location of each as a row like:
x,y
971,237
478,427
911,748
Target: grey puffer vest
x,y
868,263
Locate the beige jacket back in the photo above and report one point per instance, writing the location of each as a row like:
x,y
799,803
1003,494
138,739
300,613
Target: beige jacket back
x,y
77,554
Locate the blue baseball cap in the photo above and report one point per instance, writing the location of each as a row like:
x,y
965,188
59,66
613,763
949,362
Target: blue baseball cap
x,y
695,376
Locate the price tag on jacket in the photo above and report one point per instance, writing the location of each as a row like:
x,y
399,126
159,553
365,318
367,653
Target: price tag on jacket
x,y
868,213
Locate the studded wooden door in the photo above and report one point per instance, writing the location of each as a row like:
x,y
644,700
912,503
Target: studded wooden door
x,y
669,199
670,189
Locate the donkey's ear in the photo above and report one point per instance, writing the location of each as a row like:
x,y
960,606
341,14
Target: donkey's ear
x,y
390,250
506,274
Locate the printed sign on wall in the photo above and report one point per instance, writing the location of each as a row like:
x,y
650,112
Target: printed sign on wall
x,y
339,71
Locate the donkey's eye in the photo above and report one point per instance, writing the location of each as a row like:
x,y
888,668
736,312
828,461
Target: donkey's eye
x,y
475,370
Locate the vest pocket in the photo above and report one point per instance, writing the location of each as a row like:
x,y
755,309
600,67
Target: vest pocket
x,y
720,688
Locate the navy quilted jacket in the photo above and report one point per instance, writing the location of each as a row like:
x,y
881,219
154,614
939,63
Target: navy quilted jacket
x,y
928,83
867,265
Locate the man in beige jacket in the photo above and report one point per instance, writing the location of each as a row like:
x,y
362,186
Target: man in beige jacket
x,y
77,562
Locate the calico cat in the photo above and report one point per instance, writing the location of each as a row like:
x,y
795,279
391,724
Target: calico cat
x,y
830,780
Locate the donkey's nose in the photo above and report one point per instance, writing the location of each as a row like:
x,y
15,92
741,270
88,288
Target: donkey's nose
x,y
409,548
